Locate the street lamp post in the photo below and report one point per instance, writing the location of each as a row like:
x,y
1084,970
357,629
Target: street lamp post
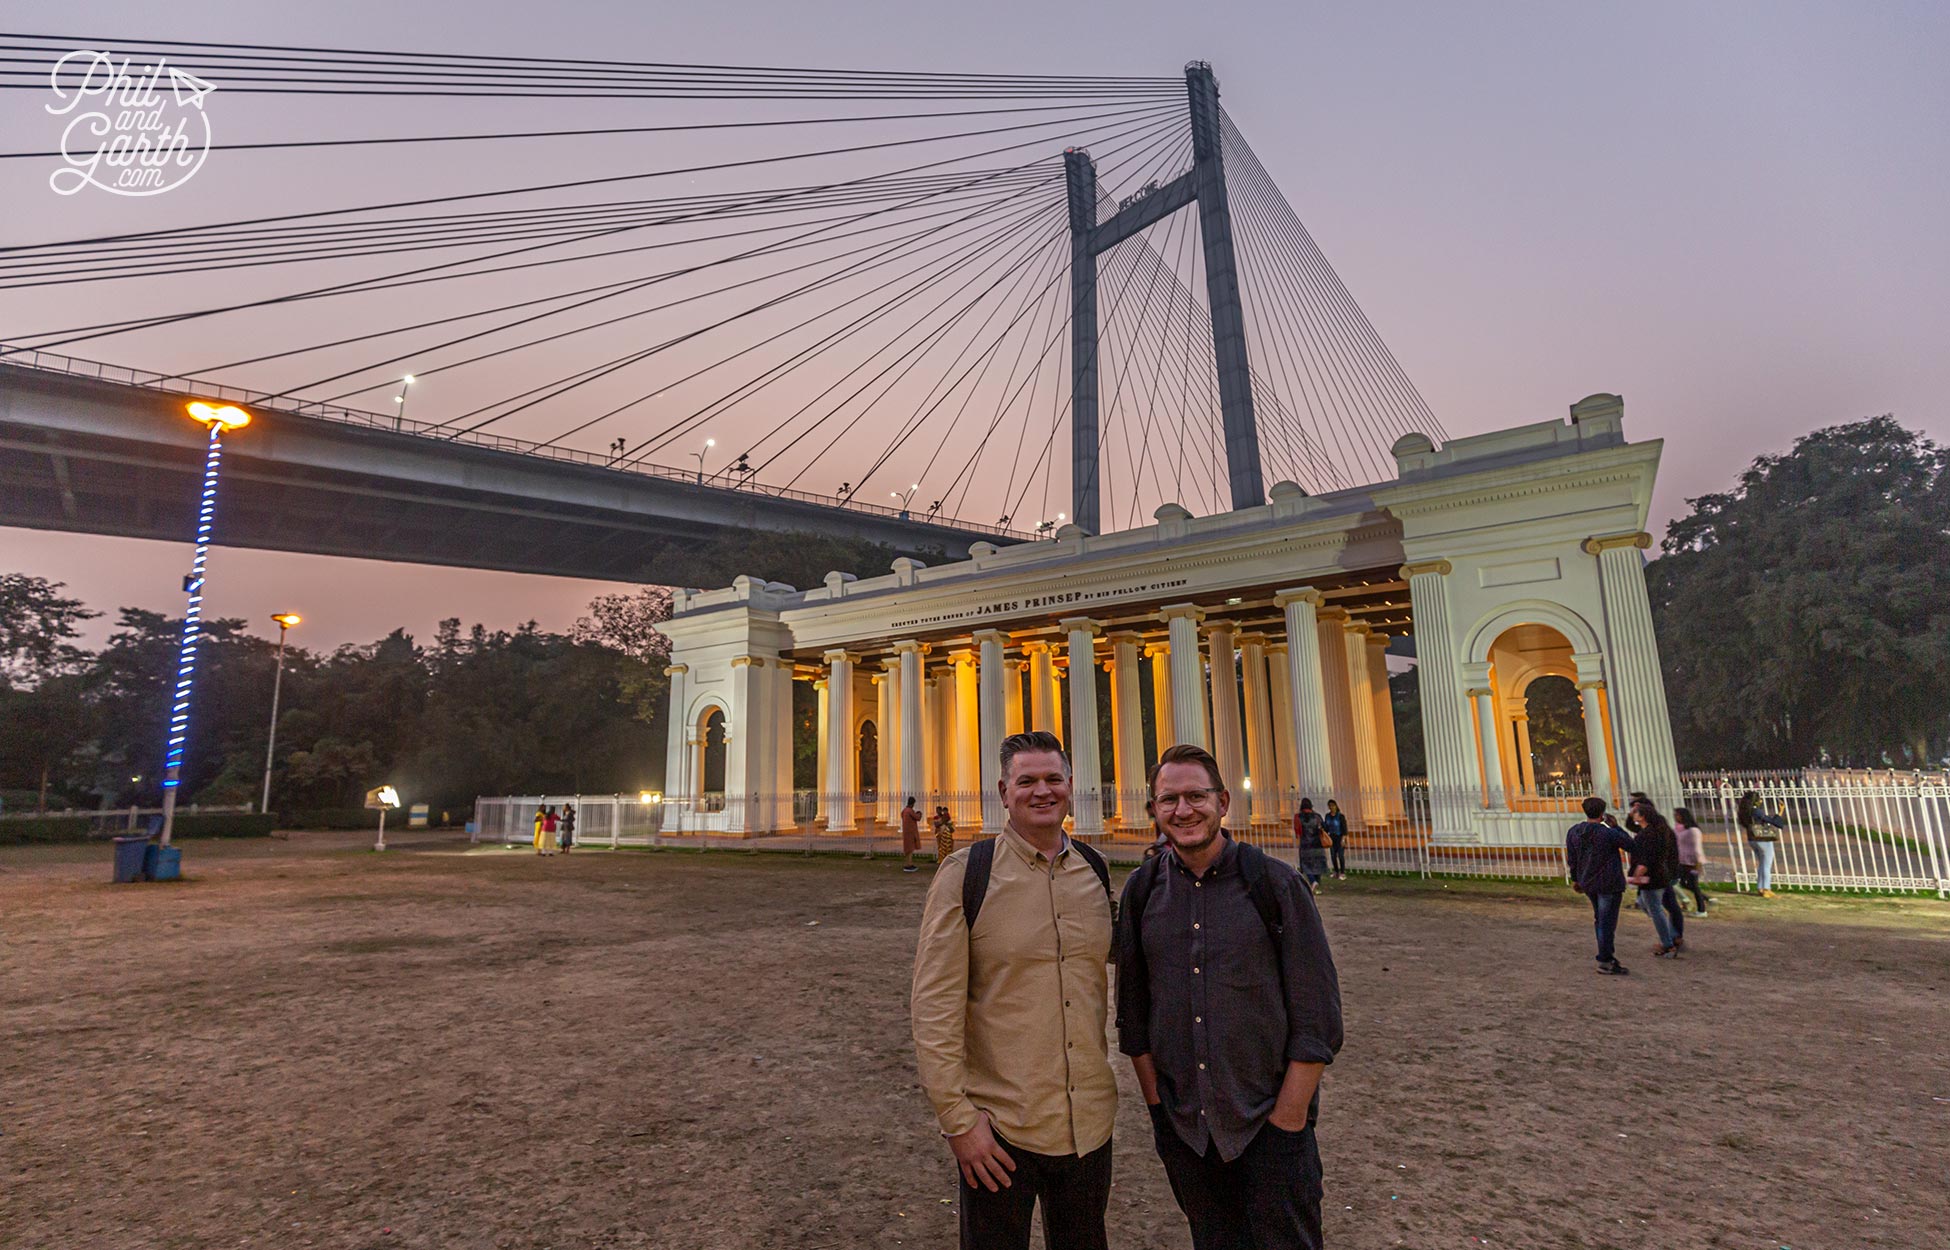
x,y
216,418
906,497
709,443
285,621
399,418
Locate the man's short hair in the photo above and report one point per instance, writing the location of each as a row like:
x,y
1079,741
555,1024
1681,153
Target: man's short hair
x,y
1185,753
1594,807
1037,740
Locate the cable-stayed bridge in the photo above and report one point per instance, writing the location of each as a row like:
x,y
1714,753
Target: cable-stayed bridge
x,y
992,306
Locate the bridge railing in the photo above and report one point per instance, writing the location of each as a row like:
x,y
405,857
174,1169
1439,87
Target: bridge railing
x,y
75,366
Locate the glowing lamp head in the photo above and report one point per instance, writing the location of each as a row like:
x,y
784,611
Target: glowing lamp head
x,y
287,619
649,796
223,417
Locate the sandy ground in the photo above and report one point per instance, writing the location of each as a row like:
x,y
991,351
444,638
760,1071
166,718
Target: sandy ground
x,y
305,1044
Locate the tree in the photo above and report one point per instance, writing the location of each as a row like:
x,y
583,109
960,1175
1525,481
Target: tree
x,y
1805,615
37,626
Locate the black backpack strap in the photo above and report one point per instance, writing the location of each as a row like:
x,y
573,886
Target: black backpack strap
x,y
975,879
1259,887
1099,866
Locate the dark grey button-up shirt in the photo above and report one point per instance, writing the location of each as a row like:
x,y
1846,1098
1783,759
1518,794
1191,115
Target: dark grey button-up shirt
x,y
1221,1010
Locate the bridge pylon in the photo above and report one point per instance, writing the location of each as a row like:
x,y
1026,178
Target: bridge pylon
x,y
1205,185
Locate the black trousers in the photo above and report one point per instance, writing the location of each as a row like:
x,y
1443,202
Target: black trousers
x,y
1266,1199
1075,1192
1689,877
1339,852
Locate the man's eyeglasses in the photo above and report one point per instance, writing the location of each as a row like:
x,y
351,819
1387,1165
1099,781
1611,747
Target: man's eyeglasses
x,y
1191,798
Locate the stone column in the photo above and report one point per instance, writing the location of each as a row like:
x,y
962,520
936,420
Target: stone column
x,y
1638,691
1087,789
914,770
1313,760
1279,669
1447,735
1187,676
1127,729
746,749
1361,713
1012,671
782,816
678,785
1384,726
823,719
1488,727
842,762
1330,631
1160,657
1042,686
1228,746
967,804
1526,767
938,691
1262,762
995,672
1591,696
885,702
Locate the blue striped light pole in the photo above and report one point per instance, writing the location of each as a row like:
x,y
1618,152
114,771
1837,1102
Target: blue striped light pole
x,y
216,418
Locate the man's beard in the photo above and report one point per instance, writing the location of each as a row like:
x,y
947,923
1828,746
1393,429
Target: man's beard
x,y
1179,844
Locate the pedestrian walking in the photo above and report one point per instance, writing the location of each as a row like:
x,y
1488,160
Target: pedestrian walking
x,y
1308,832
1335,822
1762,829
944,834
541,824
1655,869
910,834
1009,1000
568,827
551,831
1228,1005
1692,855
1591,861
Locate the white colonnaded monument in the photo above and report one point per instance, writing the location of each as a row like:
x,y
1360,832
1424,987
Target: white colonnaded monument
x,y
1260,633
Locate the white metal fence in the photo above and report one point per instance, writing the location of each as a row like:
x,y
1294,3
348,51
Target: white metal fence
x,y
1843,832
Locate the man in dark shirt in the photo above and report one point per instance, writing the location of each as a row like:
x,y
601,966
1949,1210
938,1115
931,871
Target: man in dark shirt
x,y
1228,1005
1591,859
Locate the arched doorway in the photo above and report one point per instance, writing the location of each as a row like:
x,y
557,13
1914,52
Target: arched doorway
x,y
1540,720
1560,756
867,762
711,758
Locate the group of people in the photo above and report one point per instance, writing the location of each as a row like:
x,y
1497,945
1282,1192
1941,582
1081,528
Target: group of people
x,y
1317,835
1662,857
1227,1004
555,832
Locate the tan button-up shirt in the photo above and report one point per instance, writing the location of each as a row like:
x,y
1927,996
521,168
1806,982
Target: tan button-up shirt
x,y
1009,1019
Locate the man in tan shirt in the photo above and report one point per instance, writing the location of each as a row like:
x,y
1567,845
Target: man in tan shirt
x,y
1009,1013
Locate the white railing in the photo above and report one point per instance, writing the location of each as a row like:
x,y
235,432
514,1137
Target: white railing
x,y
1847,832
1852,836
110,819
73,366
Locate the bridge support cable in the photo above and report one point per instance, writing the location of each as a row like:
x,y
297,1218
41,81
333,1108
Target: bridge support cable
x,y
634,357
59,338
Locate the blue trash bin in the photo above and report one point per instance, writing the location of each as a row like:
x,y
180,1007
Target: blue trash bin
x,y
162,863
129,855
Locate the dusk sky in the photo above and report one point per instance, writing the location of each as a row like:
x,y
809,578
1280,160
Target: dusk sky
x,y
1731,214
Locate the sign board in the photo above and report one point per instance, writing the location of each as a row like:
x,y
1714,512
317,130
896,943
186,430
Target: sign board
x,y
382,797
416,816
